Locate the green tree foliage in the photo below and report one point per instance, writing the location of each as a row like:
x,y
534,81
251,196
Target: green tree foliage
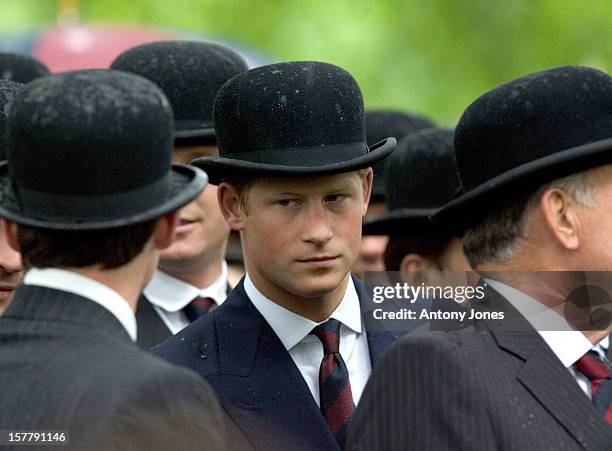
x,y
431,56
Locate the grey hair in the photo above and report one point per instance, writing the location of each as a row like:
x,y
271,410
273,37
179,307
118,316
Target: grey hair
x,y
498,237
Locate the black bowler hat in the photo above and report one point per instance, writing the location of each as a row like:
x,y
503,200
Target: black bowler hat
x,y
91,150
21,68
190,73
8,91
291,119
383,123
421,177
528,132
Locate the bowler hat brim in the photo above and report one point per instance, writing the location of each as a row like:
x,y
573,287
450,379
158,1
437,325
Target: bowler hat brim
x,y
468,208
220,168
193,129
399,222
71,212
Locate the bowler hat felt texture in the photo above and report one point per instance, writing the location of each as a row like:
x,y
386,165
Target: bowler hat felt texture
x,y
91,150
21,68
383,123
528,132
301,118
190,73
8,91
421,176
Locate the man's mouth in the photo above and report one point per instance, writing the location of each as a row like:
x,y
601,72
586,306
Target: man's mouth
x,y
6,291
319,261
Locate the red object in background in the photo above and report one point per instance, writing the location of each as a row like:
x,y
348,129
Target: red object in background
x,y
91,47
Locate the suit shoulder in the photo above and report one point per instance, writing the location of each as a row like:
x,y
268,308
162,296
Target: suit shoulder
x,y
171,406
194,346
426,346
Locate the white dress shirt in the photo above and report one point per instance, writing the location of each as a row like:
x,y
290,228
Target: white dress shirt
x,y
71,282
170,295
568,344
306,350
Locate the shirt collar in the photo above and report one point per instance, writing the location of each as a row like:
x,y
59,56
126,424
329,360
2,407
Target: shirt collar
x,y
172,294
292,328
71,282
565,342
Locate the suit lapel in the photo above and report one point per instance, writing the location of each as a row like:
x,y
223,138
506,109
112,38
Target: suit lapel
x,y
544,376
151,328
379,336
264,391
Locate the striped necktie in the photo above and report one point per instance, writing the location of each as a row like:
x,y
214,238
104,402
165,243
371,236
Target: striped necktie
x,y
598,374
197,308
334,385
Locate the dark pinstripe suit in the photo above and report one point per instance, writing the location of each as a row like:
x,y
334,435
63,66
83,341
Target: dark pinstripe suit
x,y
489,386
67,363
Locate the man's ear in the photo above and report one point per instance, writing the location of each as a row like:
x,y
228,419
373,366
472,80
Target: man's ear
x,y
163,234
415,262
414,268
229,203
9,229
560,212
367,180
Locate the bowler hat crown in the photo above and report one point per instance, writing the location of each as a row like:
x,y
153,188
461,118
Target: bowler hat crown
x,y
294,118
190,73
381,124
8,91
527,132
91,149
421,176
21,68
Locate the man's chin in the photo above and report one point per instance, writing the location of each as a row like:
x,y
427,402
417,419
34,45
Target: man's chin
x,y
178,253
318,287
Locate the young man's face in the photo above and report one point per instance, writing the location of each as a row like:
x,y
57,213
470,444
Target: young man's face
x,y
202,233
301,235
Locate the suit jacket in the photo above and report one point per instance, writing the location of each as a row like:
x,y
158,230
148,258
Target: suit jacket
x,y
257,382
151,328
492,385
67,363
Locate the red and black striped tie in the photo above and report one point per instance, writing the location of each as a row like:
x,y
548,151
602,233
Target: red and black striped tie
x,y
198,308
601,382
334,385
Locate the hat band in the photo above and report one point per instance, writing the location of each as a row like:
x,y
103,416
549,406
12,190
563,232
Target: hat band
x,y
323,155
75,208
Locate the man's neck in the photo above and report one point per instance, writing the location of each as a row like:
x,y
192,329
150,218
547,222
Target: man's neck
x,y
316,309
552,289
200,276
127,282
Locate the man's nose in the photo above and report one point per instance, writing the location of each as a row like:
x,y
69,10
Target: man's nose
x,y
317,225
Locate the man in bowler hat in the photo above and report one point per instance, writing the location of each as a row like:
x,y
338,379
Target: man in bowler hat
x,y
192,276
89,197
287,353
10,260
379,125
535,162
420,177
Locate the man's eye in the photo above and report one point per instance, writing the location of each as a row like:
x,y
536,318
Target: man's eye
x,y
287,203
334,198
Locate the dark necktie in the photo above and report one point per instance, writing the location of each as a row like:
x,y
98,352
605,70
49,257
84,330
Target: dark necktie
x,y
198,308
334,385
601,382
